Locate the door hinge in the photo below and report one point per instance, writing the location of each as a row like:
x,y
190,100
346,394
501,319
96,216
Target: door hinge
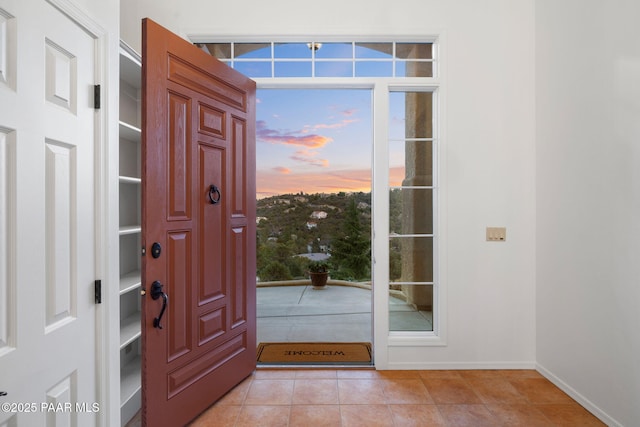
x,y
98,291
96,97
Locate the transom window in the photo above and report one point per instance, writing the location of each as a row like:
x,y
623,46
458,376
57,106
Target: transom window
x,y
327,59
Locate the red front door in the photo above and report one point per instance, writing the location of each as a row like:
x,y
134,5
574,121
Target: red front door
x,y
198,228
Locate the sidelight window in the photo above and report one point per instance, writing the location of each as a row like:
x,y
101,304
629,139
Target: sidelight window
x,y
412,187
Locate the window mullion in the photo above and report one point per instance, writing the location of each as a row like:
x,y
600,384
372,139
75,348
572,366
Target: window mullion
x,y
380,202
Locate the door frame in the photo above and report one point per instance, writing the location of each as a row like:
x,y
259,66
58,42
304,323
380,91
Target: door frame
x,y
406,343
377,115
106,211
382,339
106,216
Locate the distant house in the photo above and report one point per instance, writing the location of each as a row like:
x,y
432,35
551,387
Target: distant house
x,y
363,205
301,199
315,256
318,214
311,225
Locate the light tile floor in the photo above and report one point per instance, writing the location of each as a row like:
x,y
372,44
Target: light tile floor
x,y
348,398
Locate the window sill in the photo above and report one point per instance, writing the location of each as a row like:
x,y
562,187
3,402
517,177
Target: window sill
x,y
415,339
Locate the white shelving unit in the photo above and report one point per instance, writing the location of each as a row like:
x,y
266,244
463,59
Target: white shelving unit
x,y
130,229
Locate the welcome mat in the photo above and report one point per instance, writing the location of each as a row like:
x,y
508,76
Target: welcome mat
x,y
315,352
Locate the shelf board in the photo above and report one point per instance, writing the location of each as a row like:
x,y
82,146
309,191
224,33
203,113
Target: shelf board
x,y
130,329
130,379
130,229
130,139
130,281
130,65
130,180
130,132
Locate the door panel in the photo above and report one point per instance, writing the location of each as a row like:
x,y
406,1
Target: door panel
x,y
198,203
179,259
48,215
211,224
239,189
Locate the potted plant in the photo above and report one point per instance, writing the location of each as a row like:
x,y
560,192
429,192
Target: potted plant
x,y
318,273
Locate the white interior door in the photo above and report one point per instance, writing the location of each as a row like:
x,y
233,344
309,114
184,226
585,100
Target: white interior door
x,y
47,218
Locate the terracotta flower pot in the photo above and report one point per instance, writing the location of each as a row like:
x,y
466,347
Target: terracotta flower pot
x,y
318,280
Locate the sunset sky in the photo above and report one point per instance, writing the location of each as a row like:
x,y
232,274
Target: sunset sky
x,y
313,140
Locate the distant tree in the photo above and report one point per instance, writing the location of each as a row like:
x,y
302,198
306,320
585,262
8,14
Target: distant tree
x,y
275,270
395,211
351,251
297,267
269,251
395,261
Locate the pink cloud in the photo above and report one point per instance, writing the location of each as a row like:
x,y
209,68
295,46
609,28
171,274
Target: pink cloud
x,y
308,156
290,138
323,163
271,183
339,125
282,169
354,176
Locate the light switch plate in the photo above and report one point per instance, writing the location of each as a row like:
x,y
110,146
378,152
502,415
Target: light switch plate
x,y
496,234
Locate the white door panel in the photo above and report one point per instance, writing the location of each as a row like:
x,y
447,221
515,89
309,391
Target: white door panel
x,y
48,336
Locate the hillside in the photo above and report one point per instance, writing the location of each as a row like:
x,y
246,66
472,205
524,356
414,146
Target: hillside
x,y
288,217
292,224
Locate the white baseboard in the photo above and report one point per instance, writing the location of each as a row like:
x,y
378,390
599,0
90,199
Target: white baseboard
x,y
586,403
460,365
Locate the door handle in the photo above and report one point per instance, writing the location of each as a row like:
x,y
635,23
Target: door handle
x,y
214,191
156,292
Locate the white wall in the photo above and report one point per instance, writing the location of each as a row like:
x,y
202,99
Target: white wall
x,y
588,201
490,159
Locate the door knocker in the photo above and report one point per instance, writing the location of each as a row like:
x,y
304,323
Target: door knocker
x,y
214,195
